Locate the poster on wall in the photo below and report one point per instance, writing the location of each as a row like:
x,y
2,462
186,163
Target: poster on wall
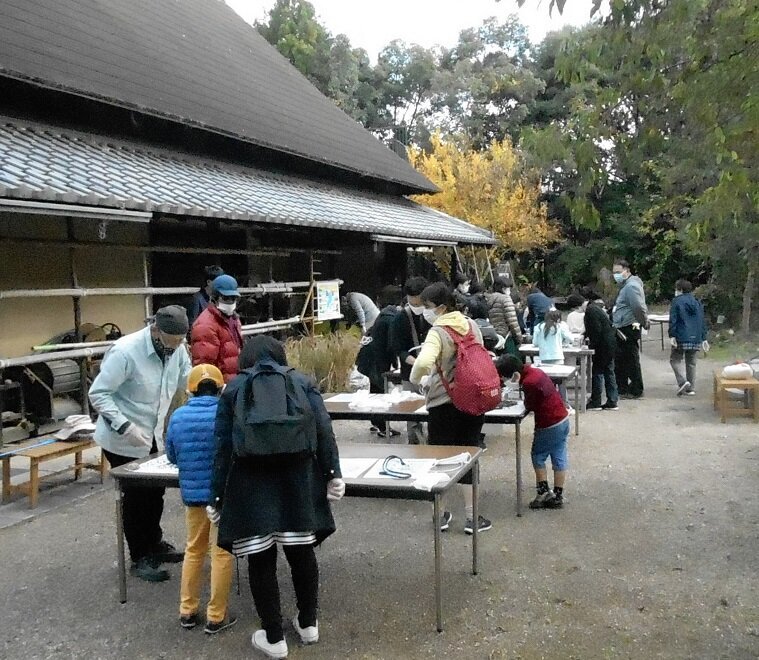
x,y
328,300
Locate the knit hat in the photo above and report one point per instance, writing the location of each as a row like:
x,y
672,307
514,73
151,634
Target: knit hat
x,y
202,372
172,320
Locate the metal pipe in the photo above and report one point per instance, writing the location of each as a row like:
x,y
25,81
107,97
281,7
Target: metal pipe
x,y
64,347
273,287
268,326
26,360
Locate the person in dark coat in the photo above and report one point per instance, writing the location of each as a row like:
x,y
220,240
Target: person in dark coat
x,y
687,332
201,299
377,355
538,303
260,504
602,339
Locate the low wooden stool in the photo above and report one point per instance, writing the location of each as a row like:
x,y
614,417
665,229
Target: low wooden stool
x,y
750,387
46,452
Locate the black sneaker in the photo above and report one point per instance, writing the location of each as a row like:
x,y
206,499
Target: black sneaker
x,y
483,525
445,520
189,621
212,627
482,444
594,406
390,431
146,569
166,553
556,502
540,500
610,406
631,396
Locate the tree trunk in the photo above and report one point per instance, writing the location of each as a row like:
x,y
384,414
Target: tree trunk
x,y
748,294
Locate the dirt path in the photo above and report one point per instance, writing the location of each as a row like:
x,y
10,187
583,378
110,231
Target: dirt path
x,y
655,556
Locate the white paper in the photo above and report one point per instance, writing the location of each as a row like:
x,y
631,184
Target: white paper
x,y
158,465
341,398
353,468
416,466
430,480
516,410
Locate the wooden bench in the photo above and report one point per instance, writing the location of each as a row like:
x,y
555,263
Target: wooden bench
x,y
38,453
722,402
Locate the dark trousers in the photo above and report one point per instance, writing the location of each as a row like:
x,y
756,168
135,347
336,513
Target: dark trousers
x,y
377,387
447,425
142,509
262,575
603,376
629,376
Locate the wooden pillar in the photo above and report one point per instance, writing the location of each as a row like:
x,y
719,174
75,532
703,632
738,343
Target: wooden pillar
x,y
77,303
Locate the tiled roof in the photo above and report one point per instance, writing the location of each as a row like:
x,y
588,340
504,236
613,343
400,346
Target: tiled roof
x,y
50,164
195,62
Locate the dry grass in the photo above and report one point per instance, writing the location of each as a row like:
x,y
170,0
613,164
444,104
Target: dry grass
x,y
328,358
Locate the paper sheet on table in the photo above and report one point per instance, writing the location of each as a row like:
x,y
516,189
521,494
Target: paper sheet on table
x,y
158,465
341,398
416,466
353,468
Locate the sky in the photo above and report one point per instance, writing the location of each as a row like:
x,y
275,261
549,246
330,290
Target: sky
x,y
372,24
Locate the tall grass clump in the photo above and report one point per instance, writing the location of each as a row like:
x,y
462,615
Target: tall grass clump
x,y
328,358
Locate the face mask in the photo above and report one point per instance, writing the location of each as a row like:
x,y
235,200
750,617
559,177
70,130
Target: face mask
x,y
619,278
430,315
164,352
678,293
227,308
464,288
417,309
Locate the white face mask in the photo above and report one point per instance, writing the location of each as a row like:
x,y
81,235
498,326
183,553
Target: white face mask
x,y
417,309
464,288
227,308
678,293
430,315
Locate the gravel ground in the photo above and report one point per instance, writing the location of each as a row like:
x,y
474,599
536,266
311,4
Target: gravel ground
x,y
654,556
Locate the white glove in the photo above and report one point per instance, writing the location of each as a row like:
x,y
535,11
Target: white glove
x,y
137,437
673,342
424,383
705,346
335,489
501,343
213,514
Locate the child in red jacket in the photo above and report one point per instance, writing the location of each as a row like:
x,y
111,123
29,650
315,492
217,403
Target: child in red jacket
x,y
551,428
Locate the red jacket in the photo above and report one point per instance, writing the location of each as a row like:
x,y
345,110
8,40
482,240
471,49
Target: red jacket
x,y
542,398
217,339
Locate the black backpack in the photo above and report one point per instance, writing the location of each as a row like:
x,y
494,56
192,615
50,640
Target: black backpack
x,y
274,414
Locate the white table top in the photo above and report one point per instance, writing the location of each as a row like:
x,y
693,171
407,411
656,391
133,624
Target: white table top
x,y
557,370
531,349
659,318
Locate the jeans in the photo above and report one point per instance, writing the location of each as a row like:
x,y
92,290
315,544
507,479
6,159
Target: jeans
x,y
142,509
416,434
201,539
629,375
600,377
551,442
676,358
262,575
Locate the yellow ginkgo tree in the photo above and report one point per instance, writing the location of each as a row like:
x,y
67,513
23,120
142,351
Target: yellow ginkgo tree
x,y
488,189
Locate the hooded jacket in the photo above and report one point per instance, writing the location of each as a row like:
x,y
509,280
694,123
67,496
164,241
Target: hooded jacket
x,y
217,340
686,320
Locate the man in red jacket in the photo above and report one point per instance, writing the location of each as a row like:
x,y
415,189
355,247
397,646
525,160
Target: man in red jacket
x,y
551,428
217,332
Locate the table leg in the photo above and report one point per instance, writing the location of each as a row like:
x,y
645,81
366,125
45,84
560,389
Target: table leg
x,y
583,380
438,562
661,328
475,511
519,466
577,407
120,544
77,466
34,482
6,479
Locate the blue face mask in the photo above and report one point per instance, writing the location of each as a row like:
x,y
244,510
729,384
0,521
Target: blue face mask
x,y
619,278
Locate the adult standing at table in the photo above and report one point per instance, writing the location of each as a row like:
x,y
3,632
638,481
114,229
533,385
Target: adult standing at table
x,y
359,309
629,315
687,331
217,334
408,331
139,376
201,299
538,303
503,315
447,425
602,340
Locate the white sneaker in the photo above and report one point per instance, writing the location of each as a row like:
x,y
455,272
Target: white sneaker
x,y
309,634
260,643
683,388
690,393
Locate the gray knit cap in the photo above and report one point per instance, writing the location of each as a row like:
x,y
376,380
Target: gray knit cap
x,y
172,320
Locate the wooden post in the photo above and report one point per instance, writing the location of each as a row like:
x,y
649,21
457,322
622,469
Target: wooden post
x,y
146,283
77,302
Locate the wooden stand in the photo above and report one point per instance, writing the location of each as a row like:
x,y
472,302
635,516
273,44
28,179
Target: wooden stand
x,y
722,403
40,454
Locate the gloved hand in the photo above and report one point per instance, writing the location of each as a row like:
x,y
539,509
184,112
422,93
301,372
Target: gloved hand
x,y
705,346
424,383
501,343
213,514
335,489
136,437
673,342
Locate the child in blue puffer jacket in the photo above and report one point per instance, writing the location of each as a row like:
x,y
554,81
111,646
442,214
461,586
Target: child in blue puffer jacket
x,y
190,444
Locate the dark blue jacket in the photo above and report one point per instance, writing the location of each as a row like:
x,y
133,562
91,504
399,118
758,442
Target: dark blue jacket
x,y
686,320
191,445
538,304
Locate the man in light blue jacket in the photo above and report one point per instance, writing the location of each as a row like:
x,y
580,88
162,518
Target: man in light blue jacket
x,y
629,316
139,377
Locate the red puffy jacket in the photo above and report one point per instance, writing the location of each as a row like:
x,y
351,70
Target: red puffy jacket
x,y
217,339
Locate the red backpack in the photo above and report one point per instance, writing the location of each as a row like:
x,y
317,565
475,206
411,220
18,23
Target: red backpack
x,y
476,387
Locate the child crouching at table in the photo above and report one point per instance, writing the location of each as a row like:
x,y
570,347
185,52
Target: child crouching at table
x,y
551,428
190,444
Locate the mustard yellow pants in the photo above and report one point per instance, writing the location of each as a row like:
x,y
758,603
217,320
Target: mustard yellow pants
x,y
201,539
